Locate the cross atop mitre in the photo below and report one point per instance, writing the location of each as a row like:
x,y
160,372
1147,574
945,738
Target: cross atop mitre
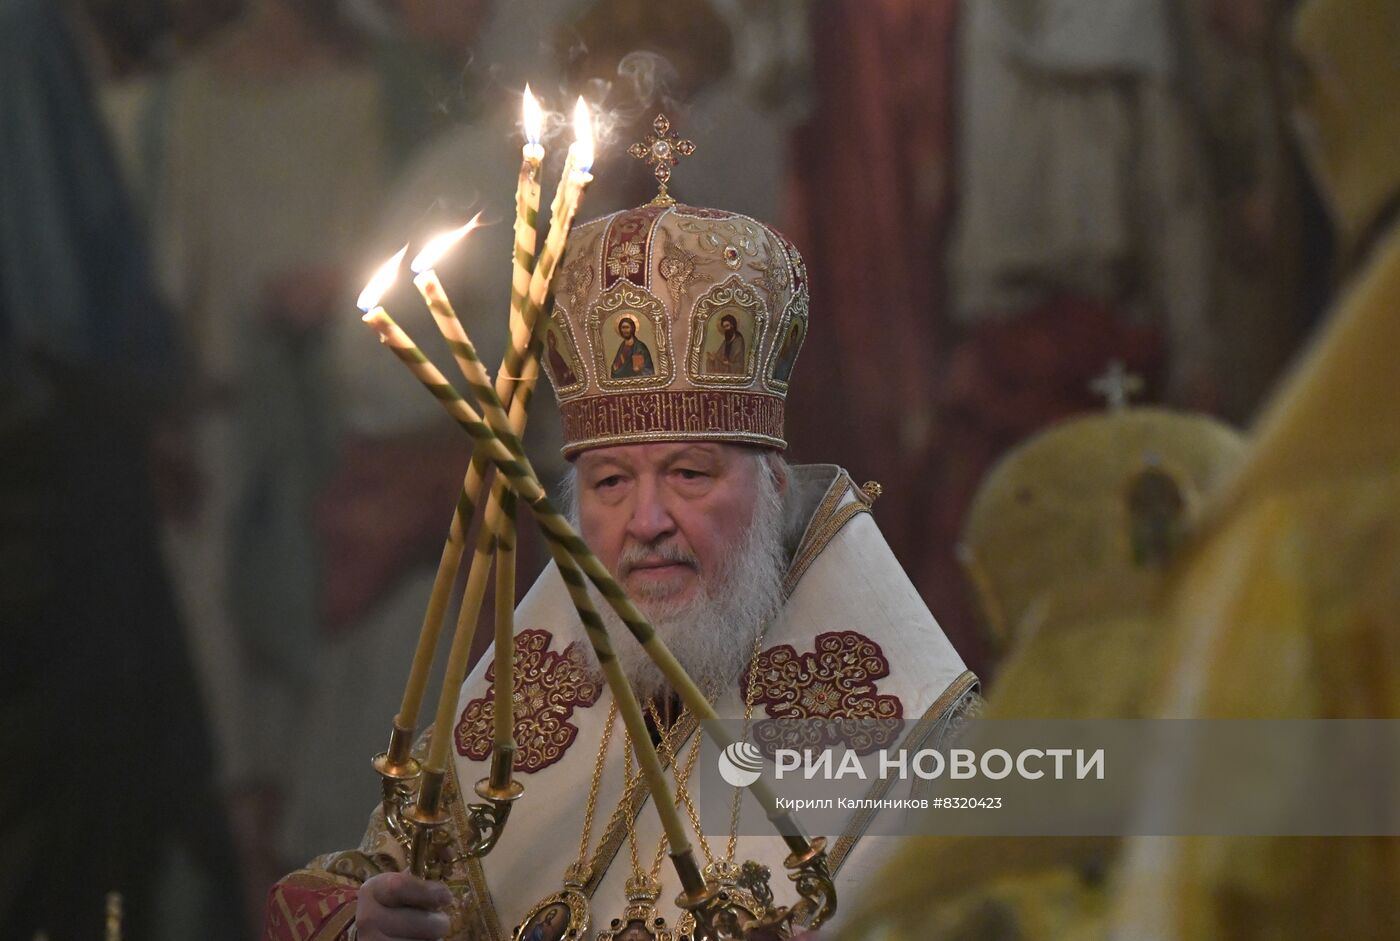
x,y
663,150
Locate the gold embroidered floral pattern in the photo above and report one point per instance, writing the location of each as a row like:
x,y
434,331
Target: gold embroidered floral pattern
x,y
625,259
548,687
578,278
678,268
771,279
626,243
828,697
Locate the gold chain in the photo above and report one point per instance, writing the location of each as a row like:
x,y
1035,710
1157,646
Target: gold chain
x,y
682,777
682,797
583,867
634,780
632,776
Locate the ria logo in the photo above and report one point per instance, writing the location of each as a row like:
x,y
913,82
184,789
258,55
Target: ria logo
x,y
740,764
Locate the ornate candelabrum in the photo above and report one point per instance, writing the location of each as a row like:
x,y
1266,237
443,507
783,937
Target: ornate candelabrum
x,y
738,903
415,812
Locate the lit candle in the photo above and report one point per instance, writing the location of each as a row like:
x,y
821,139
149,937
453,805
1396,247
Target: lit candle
x,y
521,363
407,718
566,201
515,381
532,122
527,210
440,245
426,280
380,282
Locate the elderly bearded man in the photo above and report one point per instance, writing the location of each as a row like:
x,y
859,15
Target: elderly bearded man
x,y
770,583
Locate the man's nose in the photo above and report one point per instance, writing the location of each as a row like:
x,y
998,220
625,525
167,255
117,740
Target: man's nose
x,y
650,519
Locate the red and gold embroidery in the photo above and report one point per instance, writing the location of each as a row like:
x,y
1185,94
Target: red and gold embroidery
x,y
627,246
548,687
828,697
300,908
597,419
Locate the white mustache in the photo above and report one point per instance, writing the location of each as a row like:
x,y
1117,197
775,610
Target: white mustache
x,y
666,553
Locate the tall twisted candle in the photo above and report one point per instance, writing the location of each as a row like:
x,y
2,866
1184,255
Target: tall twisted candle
x,y
527,207
519,363
505,452
407,718
477,575
566,202
431,629
503,716
527,203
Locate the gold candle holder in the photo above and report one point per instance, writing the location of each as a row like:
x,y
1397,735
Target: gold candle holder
x,y
397,769
741,905
416,816
429,855
500,792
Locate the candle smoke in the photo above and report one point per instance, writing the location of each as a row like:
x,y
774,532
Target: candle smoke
x,y
645,84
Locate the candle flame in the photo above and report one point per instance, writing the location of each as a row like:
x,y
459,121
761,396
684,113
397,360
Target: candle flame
x,y
583,136
381,282
439,245
532,117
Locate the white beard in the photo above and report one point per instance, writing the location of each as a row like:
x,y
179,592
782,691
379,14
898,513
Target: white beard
x,y
712,634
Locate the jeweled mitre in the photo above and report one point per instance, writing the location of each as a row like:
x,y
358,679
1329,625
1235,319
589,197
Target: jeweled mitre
x,y
672,323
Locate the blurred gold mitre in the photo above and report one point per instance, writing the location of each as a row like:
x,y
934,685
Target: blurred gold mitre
x,y
1090,509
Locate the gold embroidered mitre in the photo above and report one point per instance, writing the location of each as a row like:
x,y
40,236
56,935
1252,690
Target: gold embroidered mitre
x,y
673,322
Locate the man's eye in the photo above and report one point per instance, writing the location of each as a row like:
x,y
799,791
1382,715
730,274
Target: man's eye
x,y
612,480
688,473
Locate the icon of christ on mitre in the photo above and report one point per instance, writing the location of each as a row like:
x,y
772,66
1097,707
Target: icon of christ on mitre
x,y
671,344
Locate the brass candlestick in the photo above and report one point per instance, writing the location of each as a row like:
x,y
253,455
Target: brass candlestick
x,y
500,793
736,905
416,817
428,842
740,907
398,769
812,876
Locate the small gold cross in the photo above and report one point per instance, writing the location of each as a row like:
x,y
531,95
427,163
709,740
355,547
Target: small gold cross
x,y
1117,385
663,150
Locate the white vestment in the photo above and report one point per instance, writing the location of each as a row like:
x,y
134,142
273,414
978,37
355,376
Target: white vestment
x,y
842,578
